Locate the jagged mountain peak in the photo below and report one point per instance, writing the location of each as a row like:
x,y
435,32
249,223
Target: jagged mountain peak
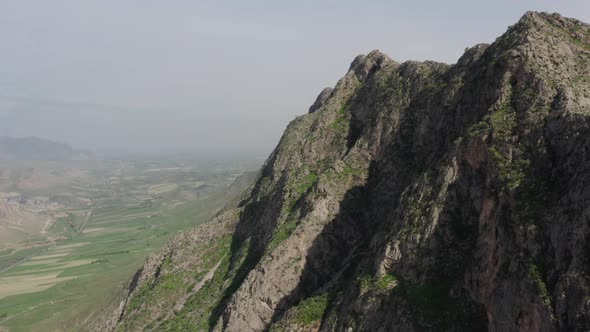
x,y
365,65
472,54
540,20
321,99
539,35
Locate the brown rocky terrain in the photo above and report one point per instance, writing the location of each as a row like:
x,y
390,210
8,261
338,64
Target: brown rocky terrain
x,y
413,196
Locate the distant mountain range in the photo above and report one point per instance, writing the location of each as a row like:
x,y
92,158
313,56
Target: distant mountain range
x,y
34,148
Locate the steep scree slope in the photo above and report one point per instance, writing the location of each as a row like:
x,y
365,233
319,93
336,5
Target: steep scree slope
x,y
413,196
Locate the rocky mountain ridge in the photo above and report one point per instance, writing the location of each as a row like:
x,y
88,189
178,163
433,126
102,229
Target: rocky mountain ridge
x,y
413,196
33,148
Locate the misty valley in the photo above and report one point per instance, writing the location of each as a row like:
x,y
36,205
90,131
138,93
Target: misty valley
x,y
72,233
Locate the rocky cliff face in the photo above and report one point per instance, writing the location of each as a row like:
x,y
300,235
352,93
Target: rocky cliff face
x,y
413,196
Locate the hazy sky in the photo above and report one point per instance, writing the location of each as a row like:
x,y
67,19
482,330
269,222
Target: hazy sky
x,y
211,77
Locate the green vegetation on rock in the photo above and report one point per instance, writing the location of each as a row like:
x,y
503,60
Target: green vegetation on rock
x,y
196,312
308,181
384,282
282,232
340,124
536,278
300,187
510,171
311,309
511,167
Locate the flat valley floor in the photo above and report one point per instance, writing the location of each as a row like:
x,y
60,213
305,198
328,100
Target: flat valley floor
x,y
116,216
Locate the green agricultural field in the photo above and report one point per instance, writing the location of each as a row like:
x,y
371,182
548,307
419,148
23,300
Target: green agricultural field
x,y
62,285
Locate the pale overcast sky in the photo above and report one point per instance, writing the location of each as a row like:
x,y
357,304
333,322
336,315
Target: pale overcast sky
x,y
212,78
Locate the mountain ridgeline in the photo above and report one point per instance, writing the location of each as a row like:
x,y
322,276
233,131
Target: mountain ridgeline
x,y
33,148
413,196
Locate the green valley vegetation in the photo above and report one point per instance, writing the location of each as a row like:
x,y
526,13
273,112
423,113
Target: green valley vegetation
x,y
86,258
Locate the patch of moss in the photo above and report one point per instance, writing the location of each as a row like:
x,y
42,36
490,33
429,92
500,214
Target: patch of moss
x,y
195,314
434,86
365,282
574,39
282,232
300,188
312,309
245,257
164,287
580,43
503,122
308,181
340,124
416,212
346,173
479,128
138,298
264,183
385,281
536,278
368,282
510,171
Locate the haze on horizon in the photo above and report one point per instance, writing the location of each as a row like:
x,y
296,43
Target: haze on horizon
x,y
214,78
